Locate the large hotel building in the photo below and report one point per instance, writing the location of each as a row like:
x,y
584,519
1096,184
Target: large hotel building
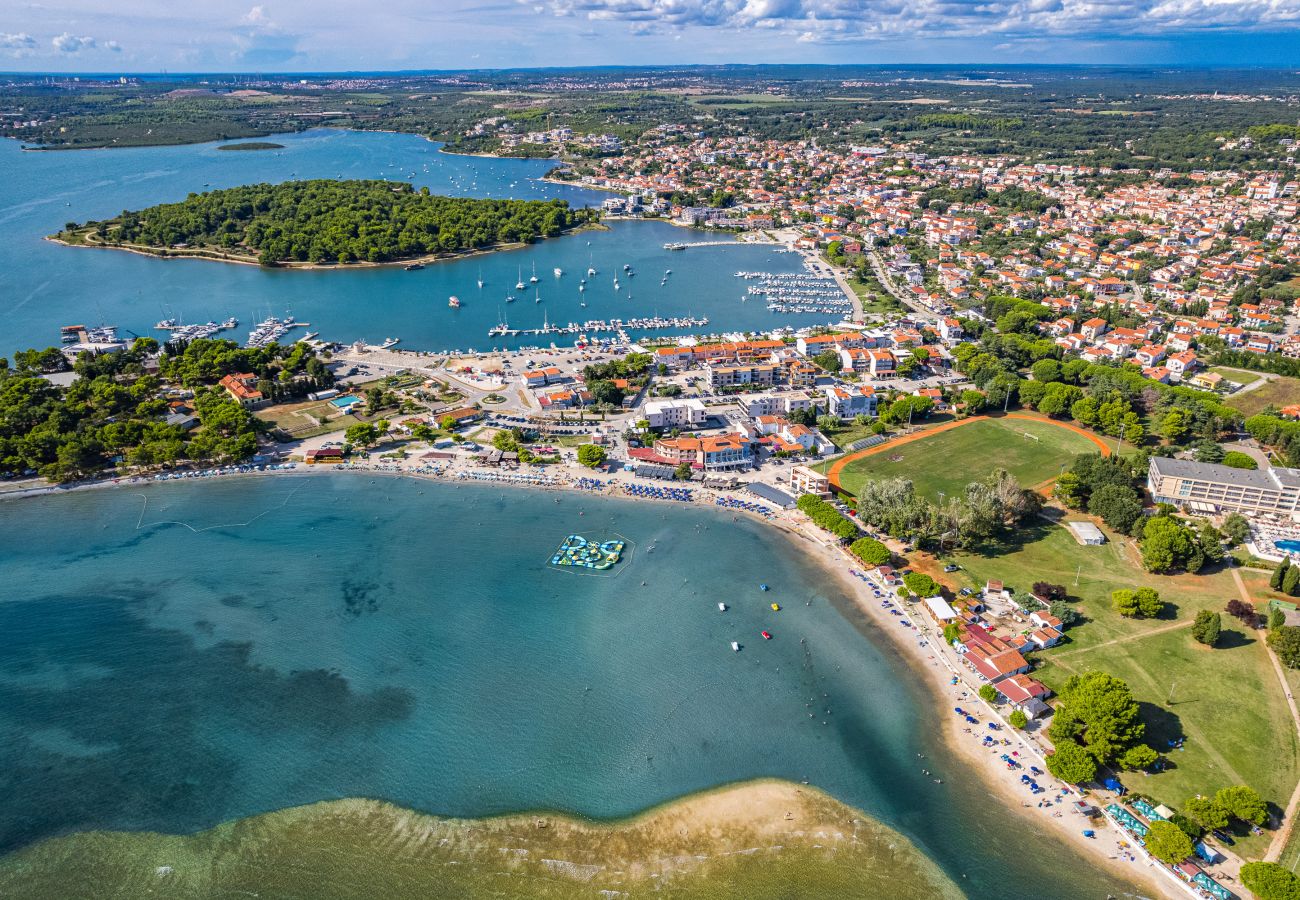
x,y
1209,488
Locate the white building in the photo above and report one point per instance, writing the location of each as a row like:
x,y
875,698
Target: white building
x,y
774,404
676,413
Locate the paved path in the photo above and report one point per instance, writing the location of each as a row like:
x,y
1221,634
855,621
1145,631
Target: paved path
x,y
1280,838
833,473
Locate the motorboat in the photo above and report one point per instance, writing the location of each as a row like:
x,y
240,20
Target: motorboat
x,y
558,271
776,607
454,302
413,267
766,636
763,587
735,645
722,607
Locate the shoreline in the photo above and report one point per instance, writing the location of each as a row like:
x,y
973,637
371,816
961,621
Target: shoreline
x,y
687,843
931,668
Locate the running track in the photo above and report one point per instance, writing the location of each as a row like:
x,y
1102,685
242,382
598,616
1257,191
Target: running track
x,y
833,473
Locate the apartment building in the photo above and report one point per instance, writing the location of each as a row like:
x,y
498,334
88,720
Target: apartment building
x,y
721,376
676,413
1210,488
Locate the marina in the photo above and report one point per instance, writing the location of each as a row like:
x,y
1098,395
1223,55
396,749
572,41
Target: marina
x,y
621,326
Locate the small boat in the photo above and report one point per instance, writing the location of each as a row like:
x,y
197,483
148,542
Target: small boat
x,y
776,607
627,267
510,299
480,278
413,267
520,285
591,270
558,271
722,607
766,636
763,587
534,278
454,302
615,284
735,645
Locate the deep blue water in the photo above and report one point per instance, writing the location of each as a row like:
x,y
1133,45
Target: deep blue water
x,y
162,667
44,286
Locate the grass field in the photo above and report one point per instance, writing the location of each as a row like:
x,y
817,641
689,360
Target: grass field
x,y
1239,376
1225,701
1278,392
949,461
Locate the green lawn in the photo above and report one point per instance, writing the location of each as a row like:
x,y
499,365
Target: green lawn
x,y
1226,700
949,461
1239,376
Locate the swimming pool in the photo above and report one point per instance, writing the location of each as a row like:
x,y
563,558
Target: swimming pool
x,y
1290,546
345,402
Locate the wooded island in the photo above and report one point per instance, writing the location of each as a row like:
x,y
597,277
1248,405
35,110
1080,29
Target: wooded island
x,y
327,222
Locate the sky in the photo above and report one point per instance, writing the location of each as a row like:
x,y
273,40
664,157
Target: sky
x,y
331,35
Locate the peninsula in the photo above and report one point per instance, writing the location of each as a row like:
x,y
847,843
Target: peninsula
x,y
323,221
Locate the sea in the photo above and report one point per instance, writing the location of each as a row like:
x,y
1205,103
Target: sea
x,y
44,285
182,654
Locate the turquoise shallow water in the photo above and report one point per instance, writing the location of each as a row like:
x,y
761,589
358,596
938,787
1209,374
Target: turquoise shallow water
x,y
44,286
163,667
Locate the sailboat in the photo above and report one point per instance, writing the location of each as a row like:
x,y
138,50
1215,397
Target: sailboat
x,y
510,298
520,286
534,278
538,298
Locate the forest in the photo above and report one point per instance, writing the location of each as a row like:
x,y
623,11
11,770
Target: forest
x,y
115,412
326,221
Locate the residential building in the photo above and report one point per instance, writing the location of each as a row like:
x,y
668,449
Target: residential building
x,y
689,413
242,388
847,401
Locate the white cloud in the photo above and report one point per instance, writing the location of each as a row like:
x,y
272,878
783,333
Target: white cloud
x,y
16,41
256,16
70,43
840,20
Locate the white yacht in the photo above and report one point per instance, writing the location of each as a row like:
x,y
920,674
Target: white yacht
x,y
534,278
735,645
520,286
558,271
722,607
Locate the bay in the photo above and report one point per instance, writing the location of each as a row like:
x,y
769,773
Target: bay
x,y
44,286
184,654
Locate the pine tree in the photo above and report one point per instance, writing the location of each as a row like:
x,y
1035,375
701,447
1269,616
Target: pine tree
x,y
1291,583
1275,582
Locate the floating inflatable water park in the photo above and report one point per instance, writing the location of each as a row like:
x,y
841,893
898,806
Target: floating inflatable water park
x,y
579,553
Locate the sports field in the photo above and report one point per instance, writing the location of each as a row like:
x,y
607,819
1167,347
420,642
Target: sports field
x,y
947,461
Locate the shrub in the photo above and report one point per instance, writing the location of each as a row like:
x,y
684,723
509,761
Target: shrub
x,y
1144,602
1206,627
1239,460
826,517
920,584
870,551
